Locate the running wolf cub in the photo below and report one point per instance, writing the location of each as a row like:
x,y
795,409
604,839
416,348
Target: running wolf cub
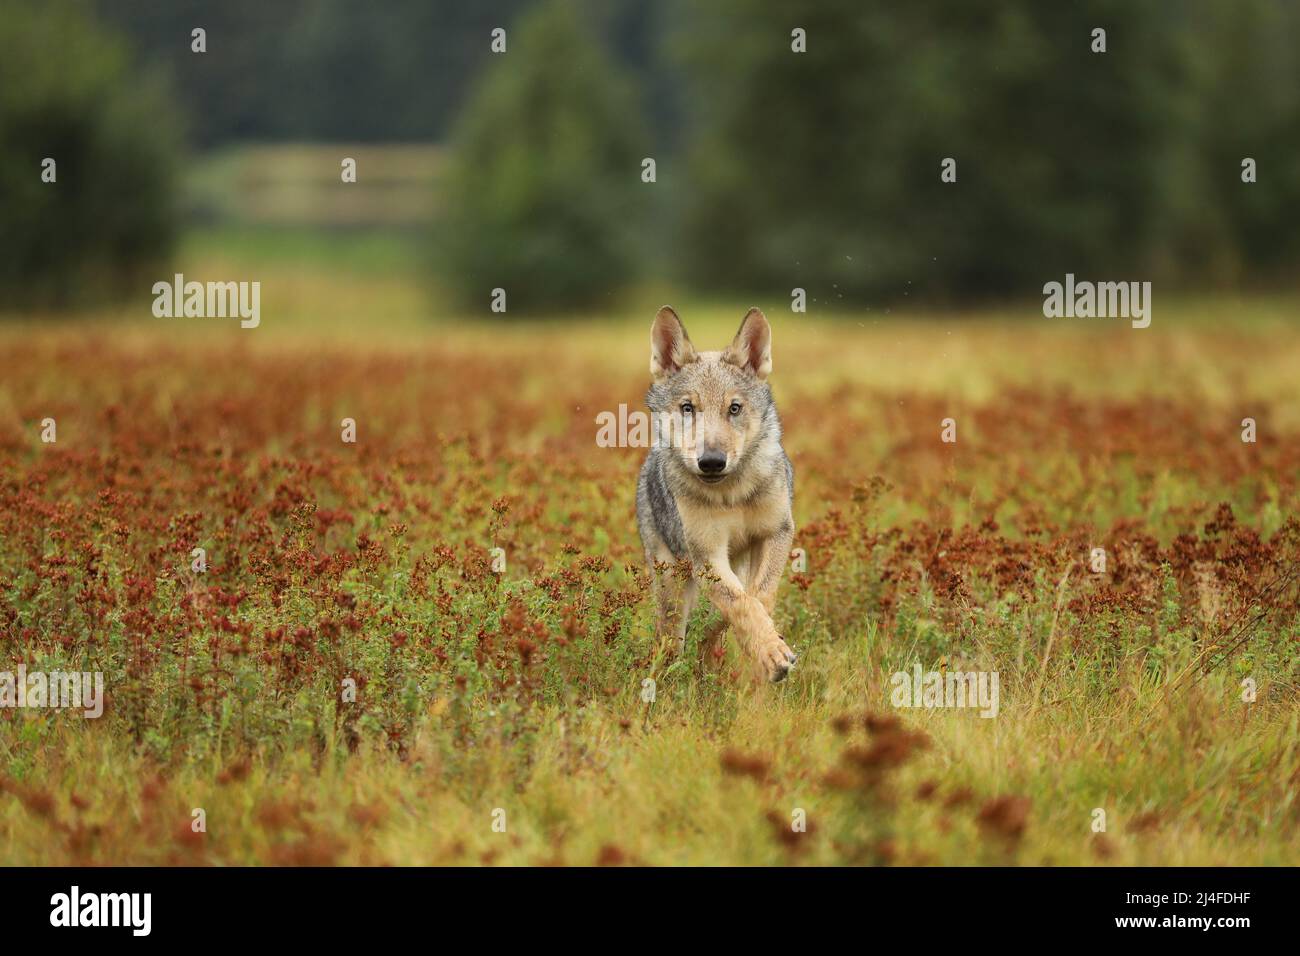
x,y
716,488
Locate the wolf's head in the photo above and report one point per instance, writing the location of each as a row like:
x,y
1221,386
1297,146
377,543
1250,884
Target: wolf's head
x,y
714,409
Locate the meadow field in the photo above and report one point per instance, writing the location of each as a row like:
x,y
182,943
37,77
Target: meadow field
x,y
500,716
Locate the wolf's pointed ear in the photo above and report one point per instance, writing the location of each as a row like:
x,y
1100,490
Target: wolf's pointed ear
x,y
670,346
752,347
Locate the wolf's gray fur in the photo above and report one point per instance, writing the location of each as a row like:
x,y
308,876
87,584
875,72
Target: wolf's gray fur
x,y
717,487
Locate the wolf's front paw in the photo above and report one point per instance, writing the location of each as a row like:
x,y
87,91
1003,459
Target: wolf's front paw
x,y
775,658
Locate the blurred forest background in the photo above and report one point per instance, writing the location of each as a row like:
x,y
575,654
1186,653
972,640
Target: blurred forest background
x,y
774,169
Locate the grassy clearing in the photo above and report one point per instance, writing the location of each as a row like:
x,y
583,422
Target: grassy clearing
x,y
523,691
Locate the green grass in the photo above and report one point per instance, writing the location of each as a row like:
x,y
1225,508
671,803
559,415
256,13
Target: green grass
x,y
363,252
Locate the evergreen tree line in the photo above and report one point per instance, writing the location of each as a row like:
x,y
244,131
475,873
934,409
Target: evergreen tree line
x,y
862,152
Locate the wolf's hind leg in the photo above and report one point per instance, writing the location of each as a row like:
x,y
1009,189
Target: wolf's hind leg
x,y
690,594
674,601
713,644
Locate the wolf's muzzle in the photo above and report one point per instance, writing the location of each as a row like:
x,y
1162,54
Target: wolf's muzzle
x,y
712,464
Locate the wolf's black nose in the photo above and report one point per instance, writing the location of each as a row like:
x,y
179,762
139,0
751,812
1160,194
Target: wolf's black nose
x,y
712,462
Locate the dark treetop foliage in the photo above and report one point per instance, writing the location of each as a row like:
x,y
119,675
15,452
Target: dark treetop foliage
x,y
822,170
108,221
545,190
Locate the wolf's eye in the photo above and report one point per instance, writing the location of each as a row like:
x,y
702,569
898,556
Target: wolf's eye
x,y
687,408
735,408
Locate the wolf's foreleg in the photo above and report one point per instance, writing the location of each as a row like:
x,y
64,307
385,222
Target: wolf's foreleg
x,y
767,565
748,617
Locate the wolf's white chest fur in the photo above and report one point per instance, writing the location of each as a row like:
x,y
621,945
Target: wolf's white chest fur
x,y
732,528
